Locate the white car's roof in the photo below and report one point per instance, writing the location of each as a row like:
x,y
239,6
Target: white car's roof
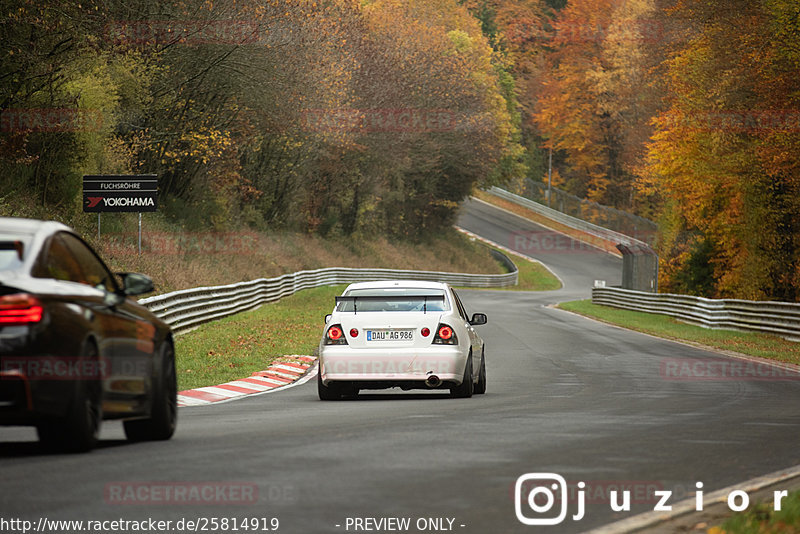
x,y
416,284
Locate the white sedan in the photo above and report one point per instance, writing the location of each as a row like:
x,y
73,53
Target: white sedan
x,y
406,334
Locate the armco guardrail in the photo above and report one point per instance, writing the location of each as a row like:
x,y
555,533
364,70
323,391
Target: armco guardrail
x,y
588,210
189,308
780,318
639,261
567,220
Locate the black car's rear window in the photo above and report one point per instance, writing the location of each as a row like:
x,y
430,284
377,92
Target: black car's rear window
x,y
416,300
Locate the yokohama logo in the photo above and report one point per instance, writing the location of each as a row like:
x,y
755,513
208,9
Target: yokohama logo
x,y
120,201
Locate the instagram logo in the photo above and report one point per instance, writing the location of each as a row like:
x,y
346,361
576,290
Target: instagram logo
x,y
540,491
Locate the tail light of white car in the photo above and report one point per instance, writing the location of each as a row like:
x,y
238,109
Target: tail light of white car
x,y
445,335
335,335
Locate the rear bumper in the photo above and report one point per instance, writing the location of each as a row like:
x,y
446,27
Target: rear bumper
x,y
24,401
377,368
16,400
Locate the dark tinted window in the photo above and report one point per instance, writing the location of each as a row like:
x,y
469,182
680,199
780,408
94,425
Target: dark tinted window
x,y
67,258
416,300
461,310
94,272
57,262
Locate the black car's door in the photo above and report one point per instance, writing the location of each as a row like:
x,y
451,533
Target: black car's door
x,y
125,339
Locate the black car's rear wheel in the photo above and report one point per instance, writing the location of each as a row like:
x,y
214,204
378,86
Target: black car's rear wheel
x,y
79,429
164,414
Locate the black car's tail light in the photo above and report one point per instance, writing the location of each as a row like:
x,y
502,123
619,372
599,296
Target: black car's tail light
x,y
335,336
20,308
445,336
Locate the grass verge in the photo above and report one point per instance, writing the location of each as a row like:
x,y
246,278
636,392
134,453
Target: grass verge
x,y
762,518
237,346
178,260
750,343
533,276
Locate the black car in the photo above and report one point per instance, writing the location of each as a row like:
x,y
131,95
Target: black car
x,y
75,347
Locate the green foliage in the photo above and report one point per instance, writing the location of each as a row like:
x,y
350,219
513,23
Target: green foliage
x,y
764,519
723,156
223,112
696,275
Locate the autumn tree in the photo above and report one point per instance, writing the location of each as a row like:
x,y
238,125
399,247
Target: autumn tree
x,y
724,153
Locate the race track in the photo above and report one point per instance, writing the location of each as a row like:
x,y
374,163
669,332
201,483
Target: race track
x,y
565,395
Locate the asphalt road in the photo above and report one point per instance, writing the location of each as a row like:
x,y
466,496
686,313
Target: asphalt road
x,y
565,395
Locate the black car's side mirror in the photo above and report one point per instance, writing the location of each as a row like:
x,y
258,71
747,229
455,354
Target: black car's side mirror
x,y
478,319
136,284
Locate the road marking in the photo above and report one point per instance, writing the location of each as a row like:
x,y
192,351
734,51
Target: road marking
x,y
280,375
290,369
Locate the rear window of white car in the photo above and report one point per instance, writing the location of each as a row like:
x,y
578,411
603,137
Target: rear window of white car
x,y
405,299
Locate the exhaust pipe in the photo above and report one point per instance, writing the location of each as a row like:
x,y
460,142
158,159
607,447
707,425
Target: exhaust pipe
x,y
433,381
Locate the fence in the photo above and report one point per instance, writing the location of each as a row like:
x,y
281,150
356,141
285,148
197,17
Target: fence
x,y
640,262
780,318
188,308
567,220
620,221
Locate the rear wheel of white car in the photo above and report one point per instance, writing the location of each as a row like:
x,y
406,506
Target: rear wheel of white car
x,y
327,393
480,387
464,391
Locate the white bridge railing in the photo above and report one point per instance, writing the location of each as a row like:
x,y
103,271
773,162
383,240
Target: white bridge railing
x,y
567,220
779,318
188,308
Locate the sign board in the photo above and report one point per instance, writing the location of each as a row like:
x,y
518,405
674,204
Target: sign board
x,y
120,192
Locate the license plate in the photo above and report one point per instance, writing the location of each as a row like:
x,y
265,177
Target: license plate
x,y
390,335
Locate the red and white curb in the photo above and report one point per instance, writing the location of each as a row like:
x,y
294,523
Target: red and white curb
x,y
280,374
